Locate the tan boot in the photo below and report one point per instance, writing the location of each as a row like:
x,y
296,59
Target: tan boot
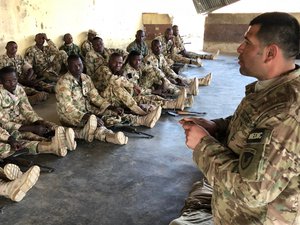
x,y
179,103
150,119
189,101
38,98
104,134
194,87
17,189
215,55
205,81
88,131
138,110
12,171
197,62
70,139
57,145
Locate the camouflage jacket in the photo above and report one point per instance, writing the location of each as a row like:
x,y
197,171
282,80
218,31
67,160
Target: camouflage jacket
x,y
93,60
160,63
86,46
71,49
15,110
255,174
178,44
18,62
4,135
75,99
104,77
41,60
134,46
166,46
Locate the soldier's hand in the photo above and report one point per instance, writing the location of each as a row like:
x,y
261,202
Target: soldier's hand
x,y
208,125
137,90
14,144
193,133
30,74
100,122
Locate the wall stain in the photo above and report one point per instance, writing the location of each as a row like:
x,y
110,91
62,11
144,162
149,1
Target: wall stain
x,y
42,26
18,8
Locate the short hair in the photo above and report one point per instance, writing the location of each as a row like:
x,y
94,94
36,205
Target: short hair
x,y
96,38
5,70
115,55
131,55
281,29
73,57
154,41
10,42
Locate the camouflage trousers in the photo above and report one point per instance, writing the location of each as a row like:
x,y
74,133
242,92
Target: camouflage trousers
x,y
155,77
194,55
5,149
197,207
52,72
120,97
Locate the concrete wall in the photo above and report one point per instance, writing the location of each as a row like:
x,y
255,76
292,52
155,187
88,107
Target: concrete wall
x,y
116,21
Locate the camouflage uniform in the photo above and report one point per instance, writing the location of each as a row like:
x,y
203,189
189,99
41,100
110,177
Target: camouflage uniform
x,y
134,46
71,49
21,66
93,60
179,46
255,175
119,91
15,111
48,62
86,46
74,100
171,55
5,149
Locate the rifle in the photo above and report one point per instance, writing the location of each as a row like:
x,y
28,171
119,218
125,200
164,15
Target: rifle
x,y
22,162
129,129
185,113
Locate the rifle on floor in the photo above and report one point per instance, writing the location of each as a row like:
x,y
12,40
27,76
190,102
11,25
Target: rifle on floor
x,y
184,113
18,160
130,129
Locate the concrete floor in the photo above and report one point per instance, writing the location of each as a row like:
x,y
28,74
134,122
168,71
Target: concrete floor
x,y
142,183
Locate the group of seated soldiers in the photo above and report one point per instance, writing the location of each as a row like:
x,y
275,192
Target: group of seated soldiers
x,y
95,87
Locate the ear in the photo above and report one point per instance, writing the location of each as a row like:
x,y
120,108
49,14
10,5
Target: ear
x,y
271,52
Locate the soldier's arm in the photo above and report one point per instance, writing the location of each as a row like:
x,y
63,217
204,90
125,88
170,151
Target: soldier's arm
x,y
269,161
89,64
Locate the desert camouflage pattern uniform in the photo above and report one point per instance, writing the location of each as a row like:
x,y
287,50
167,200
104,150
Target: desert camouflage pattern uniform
x,y
179,46
134,46
160,64
15,111
71,49
75,99
5,149
255,174
20,65
48,62
169,53
118,90
86,46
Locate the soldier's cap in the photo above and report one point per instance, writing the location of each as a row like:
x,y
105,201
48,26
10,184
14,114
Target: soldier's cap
x,y
90,31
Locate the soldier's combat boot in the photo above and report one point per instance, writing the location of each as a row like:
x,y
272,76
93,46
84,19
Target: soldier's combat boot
x,y
70,139
150,119
17,189
10,171
215,55
205,81
104,134
88,131
57,145
194,87
197,62
138,110
189,101
178,103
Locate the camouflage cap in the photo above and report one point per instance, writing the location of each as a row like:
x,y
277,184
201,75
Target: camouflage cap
x,y
90,31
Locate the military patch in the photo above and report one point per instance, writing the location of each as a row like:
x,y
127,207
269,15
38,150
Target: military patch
x,y
247,158
259,135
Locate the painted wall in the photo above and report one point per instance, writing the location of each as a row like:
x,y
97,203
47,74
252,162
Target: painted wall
x,y
116,21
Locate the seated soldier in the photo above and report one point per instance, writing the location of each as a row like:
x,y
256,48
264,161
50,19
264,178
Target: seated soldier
x,y
157,60
138,44
47,61
25,73
69,47
99,56
80,105
14,184
132,71
172,57
113,86
86,46
16,114
179,48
